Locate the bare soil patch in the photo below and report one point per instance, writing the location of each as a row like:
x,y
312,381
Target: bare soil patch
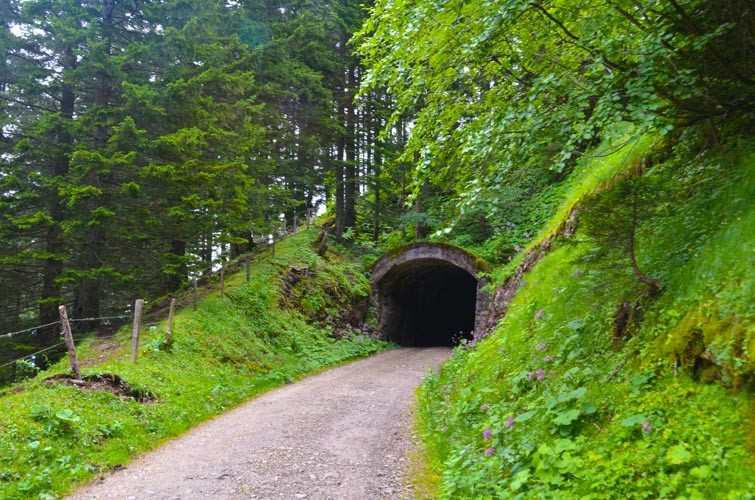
x,y
104,382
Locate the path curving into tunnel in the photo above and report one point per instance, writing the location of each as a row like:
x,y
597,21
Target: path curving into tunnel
x,y
428,295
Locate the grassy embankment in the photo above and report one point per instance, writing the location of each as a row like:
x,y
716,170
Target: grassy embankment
x,y
262,334
593,385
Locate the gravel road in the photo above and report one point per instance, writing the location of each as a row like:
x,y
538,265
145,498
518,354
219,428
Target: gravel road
x,y
343,433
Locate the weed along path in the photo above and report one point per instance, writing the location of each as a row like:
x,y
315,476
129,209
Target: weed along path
x,y
343,433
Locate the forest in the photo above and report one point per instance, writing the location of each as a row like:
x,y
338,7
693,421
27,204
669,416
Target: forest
x,y
146,142
597,156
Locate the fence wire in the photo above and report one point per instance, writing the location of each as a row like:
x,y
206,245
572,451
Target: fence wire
x,y
33,354
4,378
32,329
105,318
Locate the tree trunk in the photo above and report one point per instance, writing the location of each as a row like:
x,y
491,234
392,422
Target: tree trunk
x,y
340,192
180,273
50,296
207,252
350,177
90,288
377,170
654,286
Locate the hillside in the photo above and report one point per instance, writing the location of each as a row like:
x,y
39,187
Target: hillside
x,y
290,319
614,374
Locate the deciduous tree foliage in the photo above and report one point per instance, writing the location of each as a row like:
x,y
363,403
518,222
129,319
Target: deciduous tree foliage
x,y
496,87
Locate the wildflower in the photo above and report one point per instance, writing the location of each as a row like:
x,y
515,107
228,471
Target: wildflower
x,y
490,452
542,346
548,359
444,388
517,248
539,315
486,433
443,429
646,428
510,422
540,373
485,407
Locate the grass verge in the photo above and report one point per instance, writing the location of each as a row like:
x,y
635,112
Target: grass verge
x,y
54,436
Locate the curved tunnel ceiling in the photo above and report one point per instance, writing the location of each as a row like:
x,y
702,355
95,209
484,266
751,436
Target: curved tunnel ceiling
x,y
426,301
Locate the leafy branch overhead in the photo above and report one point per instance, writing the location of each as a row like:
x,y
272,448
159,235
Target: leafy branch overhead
x,y
498,86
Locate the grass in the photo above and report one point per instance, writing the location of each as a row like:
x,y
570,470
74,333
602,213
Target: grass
x,y
554,405
593,173
55,436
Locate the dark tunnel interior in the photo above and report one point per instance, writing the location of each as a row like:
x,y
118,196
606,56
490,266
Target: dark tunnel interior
x,y
427,302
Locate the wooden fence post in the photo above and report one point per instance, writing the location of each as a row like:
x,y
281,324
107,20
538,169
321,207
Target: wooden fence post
x,y
137,326
248,268
69,342
169,328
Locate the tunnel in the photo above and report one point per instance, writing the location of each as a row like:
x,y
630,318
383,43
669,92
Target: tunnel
x,y
427,295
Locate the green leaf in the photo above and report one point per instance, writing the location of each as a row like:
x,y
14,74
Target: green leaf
x,y
520,479
525,416
67,416
572,395
588,408
702,472
634,420
566,417
576,324
563,445
678,454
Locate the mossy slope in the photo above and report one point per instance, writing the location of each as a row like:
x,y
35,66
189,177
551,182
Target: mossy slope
x,y
590,387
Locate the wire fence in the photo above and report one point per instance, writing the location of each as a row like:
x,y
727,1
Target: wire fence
x,y
14,346
33,329
33,354
13,355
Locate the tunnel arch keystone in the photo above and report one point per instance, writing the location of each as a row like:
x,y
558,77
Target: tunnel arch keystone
x,y
429,294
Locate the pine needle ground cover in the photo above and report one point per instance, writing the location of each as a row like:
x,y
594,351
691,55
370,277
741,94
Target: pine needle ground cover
x,y
594,385
258,336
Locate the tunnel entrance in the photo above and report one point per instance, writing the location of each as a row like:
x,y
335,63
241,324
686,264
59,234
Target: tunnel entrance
x,y
428,295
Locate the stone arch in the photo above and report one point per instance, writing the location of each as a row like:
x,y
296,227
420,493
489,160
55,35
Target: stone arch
x,y
429,294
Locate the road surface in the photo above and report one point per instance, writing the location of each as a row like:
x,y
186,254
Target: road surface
x,y
344,433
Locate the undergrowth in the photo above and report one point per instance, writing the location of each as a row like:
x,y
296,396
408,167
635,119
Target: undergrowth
x,y
54,436
594,386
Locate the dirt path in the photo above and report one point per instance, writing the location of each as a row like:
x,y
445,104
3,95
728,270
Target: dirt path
x,y
341,434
